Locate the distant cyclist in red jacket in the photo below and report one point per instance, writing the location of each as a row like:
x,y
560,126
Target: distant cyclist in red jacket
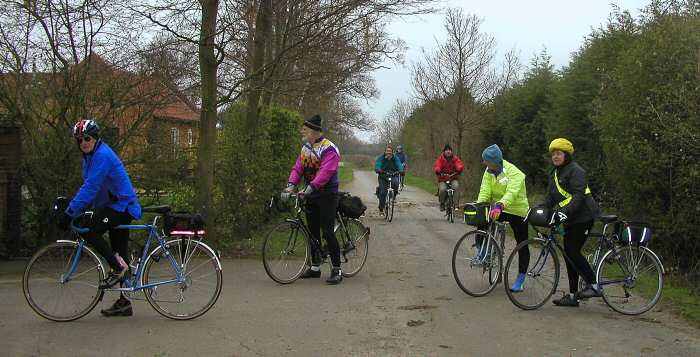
x,y
448,167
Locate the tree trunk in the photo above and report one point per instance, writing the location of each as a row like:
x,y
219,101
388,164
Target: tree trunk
x,y
262,35
207,124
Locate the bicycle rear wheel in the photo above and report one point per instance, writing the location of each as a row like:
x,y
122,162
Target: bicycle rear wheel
x,y
199,266
542,275
285,252
62,301
477,262
354,246
632,280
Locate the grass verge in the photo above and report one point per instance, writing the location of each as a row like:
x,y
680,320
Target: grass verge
x,y
429,186
345,172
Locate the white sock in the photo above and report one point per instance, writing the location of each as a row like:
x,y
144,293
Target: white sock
x,y
315,268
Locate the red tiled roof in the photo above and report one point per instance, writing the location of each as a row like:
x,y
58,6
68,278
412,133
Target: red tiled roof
x,y
177,110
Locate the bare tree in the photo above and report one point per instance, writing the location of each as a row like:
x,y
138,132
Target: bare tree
x,y
460,74
390,127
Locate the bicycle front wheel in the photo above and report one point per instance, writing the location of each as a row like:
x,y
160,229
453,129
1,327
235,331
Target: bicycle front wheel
x,y
631,280
391,199
477,263
56,297
450,208
354,246
542,275
285,252
203,278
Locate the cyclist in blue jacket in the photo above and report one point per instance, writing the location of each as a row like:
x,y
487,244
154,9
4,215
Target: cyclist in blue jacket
x,y
386,163
108,192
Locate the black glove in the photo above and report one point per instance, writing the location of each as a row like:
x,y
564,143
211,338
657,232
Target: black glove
x,y
558,217
64,221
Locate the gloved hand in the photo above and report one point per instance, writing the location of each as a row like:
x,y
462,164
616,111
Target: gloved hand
x,y
558,217
64,221
285,195
380,171
307,191
496,211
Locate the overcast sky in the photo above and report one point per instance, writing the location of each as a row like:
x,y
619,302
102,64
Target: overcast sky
x,y
526,25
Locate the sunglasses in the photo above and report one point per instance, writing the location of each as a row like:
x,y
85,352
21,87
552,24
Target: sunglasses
x,y
86,139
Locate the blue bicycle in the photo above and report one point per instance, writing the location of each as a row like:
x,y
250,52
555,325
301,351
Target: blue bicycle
x,y
180,278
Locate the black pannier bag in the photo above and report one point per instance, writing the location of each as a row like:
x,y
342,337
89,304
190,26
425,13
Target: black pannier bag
x,y
183,224
476,214
633,232
351,206
539,216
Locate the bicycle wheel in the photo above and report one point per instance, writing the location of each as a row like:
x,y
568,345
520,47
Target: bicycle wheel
x,y
449,207
542,276
476,263
203,279
285,252
62,301
632,280
391,200
354,246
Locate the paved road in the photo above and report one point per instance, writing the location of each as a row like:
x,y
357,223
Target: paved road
x,y
404,303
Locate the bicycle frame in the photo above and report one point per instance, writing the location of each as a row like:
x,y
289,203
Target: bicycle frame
x,y
135,281
494,230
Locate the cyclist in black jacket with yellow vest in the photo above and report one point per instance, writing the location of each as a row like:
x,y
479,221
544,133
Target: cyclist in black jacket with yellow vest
x,y
569,196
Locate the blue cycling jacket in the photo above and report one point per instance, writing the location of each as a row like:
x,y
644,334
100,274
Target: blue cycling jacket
x,y
105,184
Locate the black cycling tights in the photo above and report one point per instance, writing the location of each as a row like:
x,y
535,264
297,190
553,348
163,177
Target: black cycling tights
x,y
320,215
575,237
103,220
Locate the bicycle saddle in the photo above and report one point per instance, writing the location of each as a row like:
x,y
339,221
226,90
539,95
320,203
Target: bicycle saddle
x,y
157,209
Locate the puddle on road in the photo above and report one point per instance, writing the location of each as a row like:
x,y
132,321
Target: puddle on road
x,y
414,323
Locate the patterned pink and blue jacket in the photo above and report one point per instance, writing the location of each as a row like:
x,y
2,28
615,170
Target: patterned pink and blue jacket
x,y
318,165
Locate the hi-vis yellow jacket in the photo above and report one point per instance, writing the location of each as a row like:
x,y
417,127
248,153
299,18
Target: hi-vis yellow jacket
x,y
508,188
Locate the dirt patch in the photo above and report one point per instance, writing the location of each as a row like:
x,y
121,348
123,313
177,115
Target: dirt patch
x,y
443,298
417,307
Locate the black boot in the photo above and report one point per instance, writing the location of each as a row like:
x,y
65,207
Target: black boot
x,y
566,300
121,307
336,276
311,274
588,292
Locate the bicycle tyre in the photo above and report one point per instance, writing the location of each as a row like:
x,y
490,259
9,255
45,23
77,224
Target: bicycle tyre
x,y
449,207
474,275
542,273
196,256
354,247
291,242
621,296
54,259
390,203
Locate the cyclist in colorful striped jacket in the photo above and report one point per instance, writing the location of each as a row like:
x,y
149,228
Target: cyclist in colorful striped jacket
x,y
317,164
570,198
504,184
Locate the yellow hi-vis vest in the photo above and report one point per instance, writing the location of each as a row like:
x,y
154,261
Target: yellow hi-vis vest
x,y
567,196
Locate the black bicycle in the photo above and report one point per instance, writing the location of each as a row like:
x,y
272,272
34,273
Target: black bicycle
x,y
630,274
287,249
450,203
390,200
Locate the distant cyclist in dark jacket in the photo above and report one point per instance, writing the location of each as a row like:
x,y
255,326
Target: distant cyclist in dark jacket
x,y
107,190
384,164
570,198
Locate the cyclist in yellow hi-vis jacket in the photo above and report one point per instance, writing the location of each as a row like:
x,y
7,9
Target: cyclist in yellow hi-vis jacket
x,y
504,184
570,198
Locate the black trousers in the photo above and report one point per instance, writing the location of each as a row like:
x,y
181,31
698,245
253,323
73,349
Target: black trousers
x,y
103,220
519,227
575,237
320,215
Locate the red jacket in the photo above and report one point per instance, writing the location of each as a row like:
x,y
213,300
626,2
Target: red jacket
x,y
442,165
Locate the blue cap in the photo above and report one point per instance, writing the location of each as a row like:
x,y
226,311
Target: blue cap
x,y
493,154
